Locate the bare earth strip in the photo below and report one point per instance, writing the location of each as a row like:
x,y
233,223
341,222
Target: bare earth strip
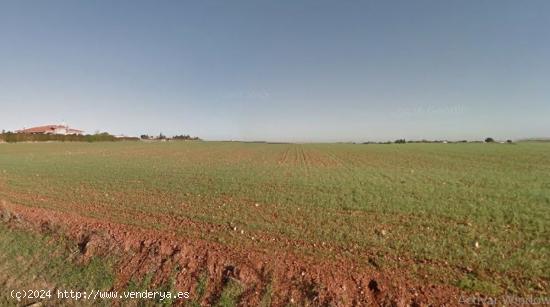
x,y
290,278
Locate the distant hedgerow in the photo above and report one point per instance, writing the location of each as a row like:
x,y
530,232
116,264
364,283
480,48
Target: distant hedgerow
x,y
11,137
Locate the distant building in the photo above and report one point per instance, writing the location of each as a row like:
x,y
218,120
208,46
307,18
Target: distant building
x,y
51,129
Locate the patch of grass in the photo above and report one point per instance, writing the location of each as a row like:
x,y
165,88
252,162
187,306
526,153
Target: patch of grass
x,y
472,284
32,261
230,294
202,285
140,284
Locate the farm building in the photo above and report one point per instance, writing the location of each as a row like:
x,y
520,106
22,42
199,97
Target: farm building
x,y
52,129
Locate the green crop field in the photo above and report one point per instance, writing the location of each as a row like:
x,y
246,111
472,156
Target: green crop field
x,y
471,216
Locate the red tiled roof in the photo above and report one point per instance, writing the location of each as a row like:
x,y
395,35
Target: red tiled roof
x,y
46,129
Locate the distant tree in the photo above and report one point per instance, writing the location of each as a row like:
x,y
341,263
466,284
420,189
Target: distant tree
x,y
144,137
400,141
186,137
489,140
509,141
161,136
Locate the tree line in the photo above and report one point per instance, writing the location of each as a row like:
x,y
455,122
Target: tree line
x,y
182,137
403,141
11,137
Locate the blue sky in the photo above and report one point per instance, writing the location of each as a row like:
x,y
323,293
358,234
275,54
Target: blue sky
x,y
279,70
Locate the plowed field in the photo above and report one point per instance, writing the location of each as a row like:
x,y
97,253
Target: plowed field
x,y
278,224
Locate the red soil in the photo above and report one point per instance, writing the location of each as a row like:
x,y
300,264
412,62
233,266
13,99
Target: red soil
x,y
292,279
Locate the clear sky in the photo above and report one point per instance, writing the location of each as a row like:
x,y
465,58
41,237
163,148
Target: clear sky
x,y
279,70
